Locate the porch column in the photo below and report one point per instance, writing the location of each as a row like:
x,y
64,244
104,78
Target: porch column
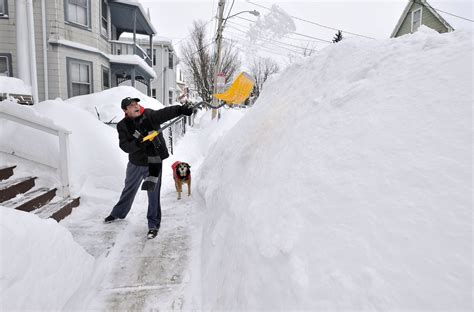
x,y
132,76
135,32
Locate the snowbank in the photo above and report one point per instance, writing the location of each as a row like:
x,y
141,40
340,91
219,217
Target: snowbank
x,y
107,103
13,86
348,185
41,265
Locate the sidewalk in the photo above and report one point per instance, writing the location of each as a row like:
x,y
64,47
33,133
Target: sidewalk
x,y
134,273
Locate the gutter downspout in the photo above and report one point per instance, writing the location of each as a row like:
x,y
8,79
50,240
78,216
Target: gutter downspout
x,y
45,51
163,75
32,49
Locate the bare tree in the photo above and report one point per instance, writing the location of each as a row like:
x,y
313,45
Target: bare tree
x,y
260,69
200,61
308,49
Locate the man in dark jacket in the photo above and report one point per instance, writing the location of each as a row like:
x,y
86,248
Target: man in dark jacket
x,y
145,158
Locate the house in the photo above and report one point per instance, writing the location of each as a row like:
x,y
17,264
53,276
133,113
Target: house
x,y
420,12
74,44
164,63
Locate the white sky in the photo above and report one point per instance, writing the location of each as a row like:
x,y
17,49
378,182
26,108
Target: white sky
x,y
377,19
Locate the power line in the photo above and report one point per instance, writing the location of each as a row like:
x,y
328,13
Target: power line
x,y
276,45
192,32
284,43
311,22
260,49
464,18
295,33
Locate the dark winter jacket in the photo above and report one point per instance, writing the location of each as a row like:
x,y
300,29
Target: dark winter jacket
x,y
150,120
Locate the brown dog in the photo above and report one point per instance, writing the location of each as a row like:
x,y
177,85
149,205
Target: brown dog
x,y
181,175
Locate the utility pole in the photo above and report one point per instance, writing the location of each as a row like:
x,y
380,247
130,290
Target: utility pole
x,y
220,21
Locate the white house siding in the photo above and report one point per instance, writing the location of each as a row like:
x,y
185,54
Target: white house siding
x,y
8,34
166,75
58,69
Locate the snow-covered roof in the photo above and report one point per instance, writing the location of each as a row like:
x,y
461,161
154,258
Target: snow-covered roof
x,y
132,59
123,59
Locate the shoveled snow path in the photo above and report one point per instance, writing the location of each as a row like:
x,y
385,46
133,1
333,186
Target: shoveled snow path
x,y
134,273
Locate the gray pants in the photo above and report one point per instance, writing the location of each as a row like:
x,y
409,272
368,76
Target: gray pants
x,y
134,176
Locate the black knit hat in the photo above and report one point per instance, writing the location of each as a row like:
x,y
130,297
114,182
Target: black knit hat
x,y
127,101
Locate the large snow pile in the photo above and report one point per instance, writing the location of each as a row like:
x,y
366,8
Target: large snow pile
x,y
38,256
348,186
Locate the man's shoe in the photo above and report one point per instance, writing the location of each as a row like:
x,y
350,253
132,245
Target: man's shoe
x,y
152,234
110,219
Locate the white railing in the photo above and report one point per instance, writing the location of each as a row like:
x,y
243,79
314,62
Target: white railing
x,y
129,48
61,133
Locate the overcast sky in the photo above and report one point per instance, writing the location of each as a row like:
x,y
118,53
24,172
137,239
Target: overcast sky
x,y
376,19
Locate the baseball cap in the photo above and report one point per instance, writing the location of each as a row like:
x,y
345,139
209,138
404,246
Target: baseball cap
x,y
127,101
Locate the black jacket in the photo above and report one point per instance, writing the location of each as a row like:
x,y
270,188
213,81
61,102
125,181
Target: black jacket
x,y
150,120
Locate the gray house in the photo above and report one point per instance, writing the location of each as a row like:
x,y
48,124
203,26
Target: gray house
x,y
75,45
419,12
164,62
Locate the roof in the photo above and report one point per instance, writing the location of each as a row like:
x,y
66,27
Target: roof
x,y
457,14
121,17
427,6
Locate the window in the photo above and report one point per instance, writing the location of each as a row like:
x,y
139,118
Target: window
x,y
104,29
105,78
415,19
154,55
6,65
79,77
170,96
77,11
153,93
170,60
3,8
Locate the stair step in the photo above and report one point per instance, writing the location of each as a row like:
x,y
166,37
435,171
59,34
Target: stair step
x,y
58,210
12,187
31,200
6,172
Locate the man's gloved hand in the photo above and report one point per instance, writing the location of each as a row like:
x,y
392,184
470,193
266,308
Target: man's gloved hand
x,y
187,109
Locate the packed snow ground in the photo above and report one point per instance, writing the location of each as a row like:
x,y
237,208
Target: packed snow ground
x,y
348,186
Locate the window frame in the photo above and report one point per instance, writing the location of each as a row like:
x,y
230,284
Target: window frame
x,y
170,96
413,15
104,32
5,13
8,56
153,61
88,26
69,61
103,71
170,60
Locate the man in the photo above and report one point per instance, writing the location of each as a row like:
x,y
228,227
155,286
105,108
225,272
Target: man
x,y
145,158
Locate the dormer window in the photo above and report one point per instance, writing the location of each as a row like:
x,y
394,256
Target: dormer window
x,y
415,20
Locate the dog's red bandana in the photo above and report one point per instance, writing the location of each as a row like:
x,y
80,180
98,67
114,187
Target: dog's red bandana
x,y
175,175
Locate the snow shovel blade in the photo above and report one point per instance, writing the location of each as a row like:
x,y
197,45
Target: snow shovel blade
x,y
238,91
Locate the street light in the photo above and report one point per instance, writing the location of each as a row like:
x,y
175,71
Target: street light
x,y
220,28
